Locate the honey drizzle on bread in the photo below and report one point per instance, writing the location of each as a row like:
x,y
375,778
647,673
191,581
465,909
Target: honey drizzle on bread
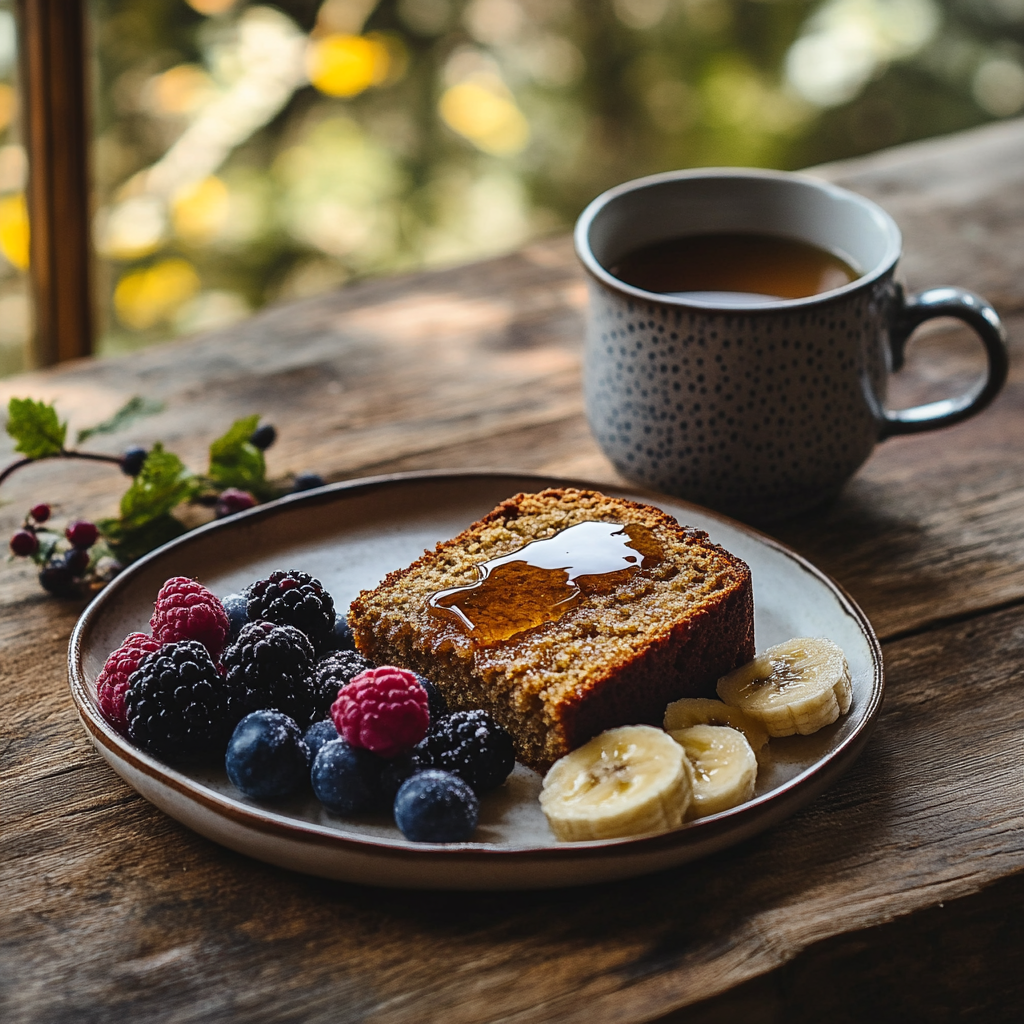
x,y
615,657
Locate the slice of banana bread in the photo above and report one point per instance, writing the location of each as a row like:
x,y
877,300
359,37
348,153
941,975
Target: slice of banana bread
x,y
565,613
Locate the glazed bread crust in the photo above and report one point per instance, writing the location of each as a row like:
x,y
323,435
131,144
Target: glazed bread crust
x,y
614,658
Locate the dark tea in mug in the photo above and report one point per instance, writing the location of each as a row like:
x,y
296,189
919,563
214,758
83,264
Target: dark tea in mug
x,y
733,268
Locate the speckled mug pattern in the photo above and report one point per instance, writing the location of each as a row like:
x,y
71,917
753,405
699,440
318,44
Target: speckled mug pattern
x,y
757,413
758,407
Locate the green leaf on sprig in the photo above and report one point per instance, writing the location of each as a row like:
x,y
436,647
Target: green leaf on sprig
x,y
236,462
134,409
35,427
130,542
163,482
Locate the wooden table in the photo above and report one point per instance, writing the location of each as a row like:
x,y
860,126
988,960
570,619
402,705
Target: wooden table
x,y
897,894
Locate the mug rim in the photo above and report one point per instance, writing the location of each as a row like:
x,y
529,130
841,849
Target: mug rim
x,y
581,238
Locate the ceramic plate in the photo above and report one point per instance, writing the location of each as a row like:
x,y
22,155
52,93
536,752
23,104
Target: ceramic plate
x,y
349,535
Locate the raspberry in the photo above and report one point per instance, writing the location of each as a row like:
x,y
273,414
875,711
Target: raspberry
x,y
112,682
470,744
270,667
176,705
82,534
293,598
232,500
24,543
40,513
384,710
186,610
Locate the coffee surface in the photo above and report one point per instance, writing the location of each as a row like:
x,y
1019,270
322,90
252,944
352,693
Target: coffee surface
x,y
733,268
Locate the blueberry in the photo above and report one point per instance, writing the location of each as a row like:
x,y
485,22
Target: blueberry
x,y
318,734
263,436
234,605
395,771
436,807
266,756
346,780
132,460
342,639
306,482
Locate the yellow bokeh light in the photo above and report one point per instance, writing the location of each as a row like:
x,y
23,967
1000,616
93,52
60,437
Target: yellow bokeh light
x,y
211,6
345,65
180,90
14,232
200,211
145,298
486,116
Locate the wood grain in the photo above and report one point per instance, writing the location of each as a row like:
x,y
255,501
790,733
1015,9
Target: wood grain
x,y
112,910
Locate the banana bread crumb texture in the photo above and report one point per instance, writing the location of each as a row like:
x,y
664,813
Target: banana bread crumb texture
x,y
614,658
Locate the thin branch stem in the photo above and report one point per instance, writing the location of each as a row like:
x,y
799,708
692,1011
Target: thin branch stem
x,y
90,456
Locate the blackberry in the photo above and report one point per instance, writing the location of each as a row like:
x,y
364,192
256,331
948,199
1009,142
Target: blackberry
x,y
436,703
436,807
470,744
292,598
176,705
270,666
267,757
332,672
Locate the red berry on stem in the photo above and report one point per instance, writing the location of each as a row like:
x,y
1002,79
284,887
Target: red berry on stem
x,y
82,534
24,543
40,513
232,500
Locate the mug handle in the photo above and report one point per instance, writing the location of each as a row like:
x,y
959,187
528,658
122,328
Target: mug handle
x,y
974,311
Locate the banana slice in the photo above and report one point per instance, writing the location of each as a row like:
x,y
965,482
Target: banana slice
x,y
796,687
681,714
724,767
626,782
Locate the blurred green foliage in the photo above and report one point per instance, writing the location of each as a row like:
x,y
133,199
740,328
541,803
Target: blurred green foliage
x,y
247,152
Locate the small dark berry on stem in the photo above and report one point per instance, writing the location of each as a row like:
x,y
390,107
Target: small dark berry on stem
x,y
57,579
77,561
132,460
263,436
40,513
232,500
306,482
82,534
24,543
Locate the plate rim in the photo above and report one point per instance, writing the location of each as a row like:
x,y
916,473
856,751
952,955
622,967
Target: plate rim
x,y
280,825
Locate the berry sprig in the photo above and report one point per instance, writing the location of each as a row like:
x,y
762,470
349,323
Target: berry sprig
x,y
85,556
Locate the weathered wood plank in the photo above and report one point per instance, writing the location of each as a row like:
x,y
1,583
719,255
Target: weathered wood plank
x,y
165,926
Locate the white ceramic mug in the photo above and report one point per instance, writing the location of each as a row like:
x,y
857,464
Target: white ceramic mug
x,y
761,409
